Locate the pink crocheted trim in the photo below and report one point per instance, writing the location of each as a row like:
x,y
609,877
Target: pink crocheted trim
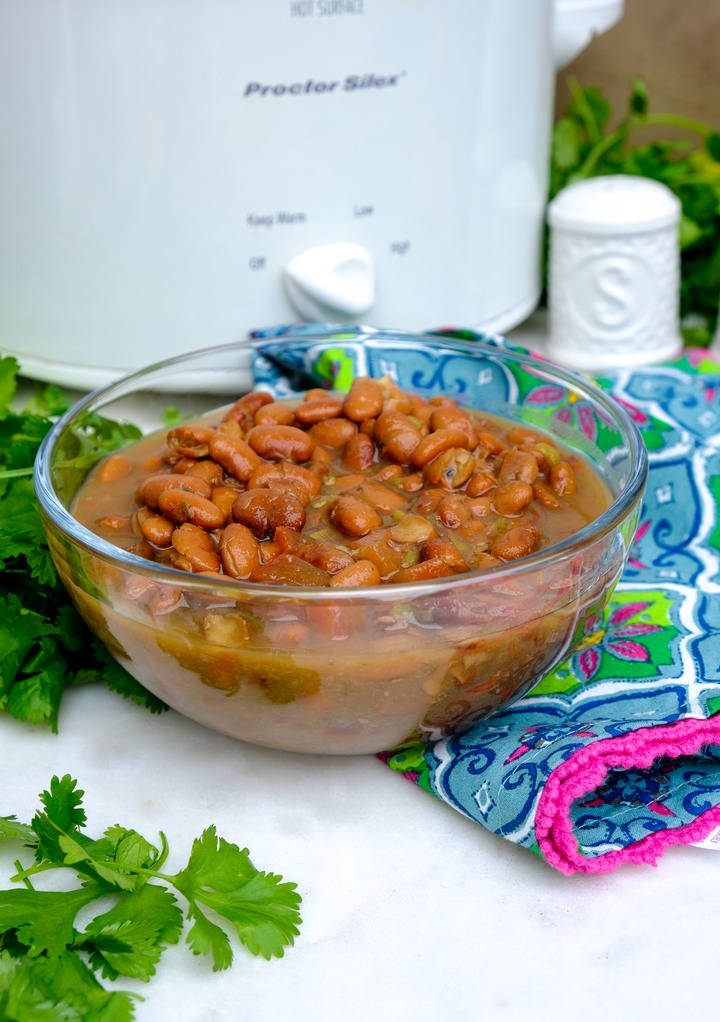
x,y
585,769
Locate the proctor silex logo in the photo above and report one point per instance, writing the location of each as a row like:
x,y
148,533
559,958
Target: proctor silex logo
x,y
311,86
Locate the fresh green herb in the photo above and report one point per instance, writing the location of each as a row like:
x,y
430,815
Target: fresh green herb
x,y
172,416
586,144
49,967
46,645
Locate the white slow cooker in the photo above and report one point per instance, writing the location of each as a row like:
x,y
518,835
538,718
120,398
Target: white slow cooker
x,y
177,173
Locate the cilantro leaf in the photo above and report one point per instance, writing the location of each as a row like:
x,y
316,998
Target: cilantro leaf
x,y
48,647
9,369
262,908
207,938
36,695
48,967
11,828
128,940
42,920
61,989
63,815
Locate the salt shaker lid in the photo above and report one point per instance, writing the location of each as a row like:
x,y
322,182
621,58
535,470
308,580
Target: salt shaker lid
x,y
616,204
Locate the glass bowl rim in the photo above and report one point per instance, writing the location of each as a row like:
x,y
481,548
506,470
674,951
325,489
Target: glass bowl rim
x,y
123,386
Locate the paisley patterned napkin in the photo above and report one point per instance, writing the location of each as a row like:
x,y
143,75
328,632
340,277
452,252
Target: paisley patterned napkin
x,y
615,755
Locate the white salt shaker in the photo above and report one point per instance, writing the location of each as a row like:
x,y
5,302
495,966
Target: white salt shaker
x,y
614,274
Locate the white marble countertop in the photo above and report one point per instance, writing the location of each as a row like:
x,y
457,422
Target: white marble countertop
x,y
410,910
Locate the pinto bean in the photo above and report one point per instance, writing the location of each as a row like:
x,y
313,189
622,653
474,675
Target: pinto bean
x,y
518,541
224,497
185,506
412,529
453,510
428,501
190,441
451,469
364,400
235,455
246,407
517,464
421,410
452,417
479,483
284,473
274,413
310,412
493,444
197,546
400,446
359,452
180,464
287,569
423,571
395,400
389,472
333,432
346,481
445,551
435,443
320,463
359,573
238,549
156,529
277,443
511,498
150,488
143,549
263,510
562,479
208,470
354,516
545,495
412,482
324,555
397,436
522,435
231,427
114,467
380,496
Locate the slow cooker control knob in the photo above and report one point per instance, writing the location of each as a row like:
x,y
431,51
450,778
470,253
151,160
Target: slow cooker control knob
x,y
336,280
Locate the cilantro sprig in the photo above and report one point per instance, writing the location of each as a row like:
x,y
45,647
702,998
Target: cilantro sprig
x,y
46,646
586,143
51,967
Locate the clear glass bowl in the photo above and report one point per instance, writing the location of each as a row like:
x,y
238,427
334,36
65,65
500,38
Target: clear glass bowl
x,y
344,671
